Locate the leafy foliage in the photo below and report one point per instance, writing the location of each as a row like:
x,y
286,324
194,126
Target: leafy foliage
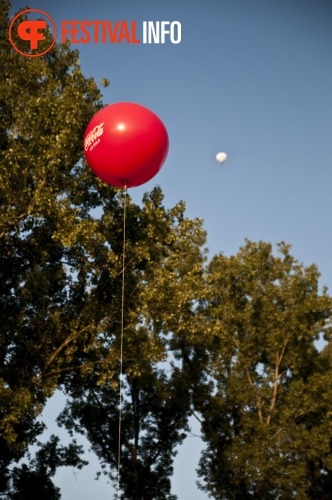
x,y
33,481
233,342
60,286
45,197
156,402
265,399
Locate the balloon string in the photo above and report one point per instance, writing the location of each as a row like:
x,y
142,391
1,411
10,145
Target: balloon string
x,y
121,336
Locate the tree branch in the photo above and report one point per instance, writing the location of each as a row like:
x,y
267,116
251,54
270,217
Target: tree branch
x,y
258,402
26,213
275,389
249,378
58,351
276,378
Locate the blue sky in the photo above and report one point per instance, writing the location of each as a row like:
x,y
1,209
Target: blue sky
x,y
253,79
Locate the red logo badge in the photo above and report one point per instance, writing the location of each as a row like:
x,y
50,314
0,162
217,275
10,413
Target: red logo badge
x,y
33,32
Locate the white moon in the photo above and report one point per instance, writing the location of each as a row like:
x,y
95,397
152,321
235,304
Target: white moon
x,y
221,157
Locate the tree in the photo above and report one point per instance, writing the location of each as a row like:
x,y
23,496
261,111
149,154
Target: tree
x,y
61,279
264,390
233,343
163,272
33,481
46,194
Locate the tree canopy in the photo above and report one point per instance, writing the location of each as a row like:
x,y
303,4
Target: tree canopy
x,y
45,104
265,392
231,341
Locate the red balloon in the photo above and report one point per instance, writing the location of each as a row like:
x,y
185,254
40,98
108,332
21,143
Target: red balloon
x,y
125,144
